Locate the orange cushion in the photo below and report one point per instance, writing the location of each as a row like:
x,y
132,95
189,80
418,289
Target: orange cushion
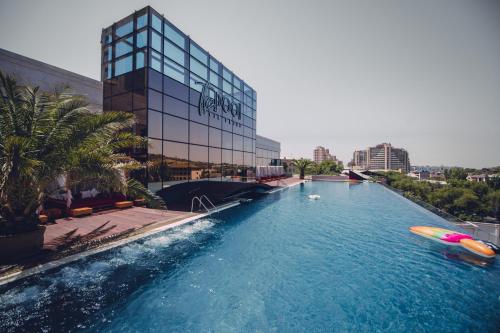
x,y
80,211
139,202
124,204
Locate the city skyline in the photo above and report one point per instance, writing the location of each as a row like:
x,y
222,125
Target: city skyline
x,y
423,76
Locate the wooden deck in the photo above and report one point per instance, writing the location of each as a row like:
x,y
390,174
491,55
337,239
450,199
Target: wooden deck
x,y
285,182
66,232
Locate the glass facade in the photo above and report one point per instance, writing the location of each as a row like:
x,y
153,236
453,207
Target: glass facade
x,y
267,152
199,116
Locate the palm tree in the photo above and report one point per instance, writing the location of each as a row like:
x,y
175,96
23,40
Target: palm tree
x,y
44,136
302,165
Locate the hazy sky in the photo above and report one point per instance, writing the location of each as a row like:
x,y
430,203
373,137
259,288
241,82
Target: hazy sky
x,y
423,75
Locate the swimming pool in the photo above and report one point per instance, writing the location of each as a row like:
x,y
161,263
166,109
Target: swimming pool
x,y
346,262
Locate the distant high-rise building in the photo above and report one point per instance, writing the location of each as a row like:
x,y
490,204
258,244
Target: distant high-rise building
x,y
322,154
382,157
359,159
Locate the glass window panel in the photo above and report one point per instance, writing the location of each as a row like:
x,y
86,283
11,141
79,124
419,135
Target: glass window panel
x,y
194,96
174,36
109,71
198,134
215,155
226,74
176,72
246,89
174,53
175,150
247,100
175,107
156,23
139,99
122,102
155,80
226,86
247,131
123,65
154,124
175,88
247,144
236,82
214,65
247,121
107,38
214,158
237,142
227,124
175,158
237,157
123,83
123,47
141,122
155,41
154,100
199,54
237,94
198,157
175,129
237,127
227,156
227,161
139,60
109,53
247,111
124,28
192,82
249,160
141,39
198,69
215,120
142,21
155,61
227,140
214,137
194,115
155,165
214,79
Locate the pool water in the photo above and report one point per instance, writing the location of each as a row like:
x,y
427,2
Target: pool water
x,y
283,263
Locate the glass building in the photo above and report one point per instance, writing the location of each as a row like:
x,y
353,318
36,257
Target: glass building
x,y
267,151
199,116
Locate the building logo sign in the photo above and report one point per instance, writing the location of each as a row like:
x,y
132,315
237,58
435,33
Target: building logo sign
x,y
212,101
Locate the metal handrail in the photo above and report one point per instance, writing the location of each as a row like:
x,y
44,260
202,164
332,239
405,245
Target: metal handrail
x,y
201,204
210,202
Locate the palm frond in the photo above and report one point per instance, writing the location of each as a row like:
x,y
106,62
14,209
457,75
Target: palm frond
x,y
136,190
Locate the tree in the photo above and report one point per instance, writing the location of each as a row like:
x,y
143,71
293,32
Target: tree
x,y
494,203
44,136
302,164
455,173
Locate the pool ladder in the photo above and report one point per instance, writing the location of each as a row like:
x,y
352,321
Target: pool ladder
x,y
201,204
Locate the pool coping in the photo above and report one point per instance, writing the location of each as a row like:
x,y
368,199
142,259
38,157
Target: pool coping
x,y
18,275
281,188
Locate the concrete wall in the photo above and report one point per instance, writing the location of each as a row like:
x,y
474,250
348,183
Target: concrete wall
x,y
36,73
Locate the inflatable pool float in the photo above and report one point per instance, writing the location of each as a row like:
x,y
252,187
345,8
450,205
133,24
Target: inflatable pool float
x,y
440,235
477,247
450,237
314,196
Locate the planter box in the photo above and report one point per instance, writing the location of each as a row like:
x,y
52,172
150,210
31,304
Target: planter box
x,y
16,247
